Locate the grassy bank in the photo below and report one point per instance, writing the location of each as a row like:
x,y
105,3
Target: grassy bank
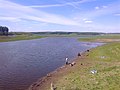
x,y
18,37
104,59
102,38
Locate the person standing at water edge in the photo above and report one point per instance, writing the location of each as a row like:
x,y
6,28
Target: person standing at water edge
x,y
79,54
66,61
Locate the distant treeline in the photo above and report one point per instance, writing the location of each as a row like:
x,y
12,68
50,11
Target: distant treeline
x,y
68,33
4,30
20,33
56,33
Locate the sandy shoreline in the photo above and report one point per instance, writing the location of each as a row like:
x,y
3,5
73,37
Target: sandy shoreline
x,y
54,75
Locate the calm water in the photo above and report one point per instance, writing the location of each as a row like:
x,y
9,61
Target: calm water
x,y
23,62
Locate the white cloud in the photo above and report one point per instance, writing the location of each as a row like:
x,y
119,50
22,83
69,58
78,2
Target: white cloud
x,y
100,7
85,20
97,8
117,14
104,10
62,3
46,6
88,21
17,11
104,6
11,19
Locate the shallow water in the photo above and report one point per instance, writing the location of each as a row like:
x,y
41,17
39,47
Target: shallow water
x,y
23,62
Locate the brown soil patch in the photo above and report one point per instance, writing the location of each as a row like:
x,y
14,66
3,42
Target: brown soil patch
x,y
107,40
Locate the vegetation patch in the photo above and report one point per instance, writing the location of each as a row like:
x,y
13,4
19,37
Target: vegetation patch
x,y
102,38
18,37
108,71
108,52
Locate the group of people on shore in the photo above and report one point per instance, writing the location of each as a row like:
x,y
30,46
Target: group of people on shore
x,y
71,64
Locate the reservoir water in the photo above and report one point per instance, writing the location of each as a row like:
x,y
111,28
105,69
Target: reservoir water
x,y
23,62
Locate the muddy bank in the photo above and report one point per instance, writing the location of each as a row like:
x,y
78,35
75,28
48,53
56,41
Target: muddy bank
x,y
44,83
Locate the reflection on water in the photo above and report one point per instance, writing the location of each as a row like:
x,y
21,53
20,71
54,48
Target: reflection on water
x,y
23,62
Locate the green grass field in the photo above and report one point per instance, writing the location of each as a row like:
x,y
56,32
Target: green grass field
x,y
18,37
101,38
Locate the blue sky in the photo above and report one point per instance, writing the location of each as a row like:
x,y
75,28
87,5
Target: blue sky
x,y
61,15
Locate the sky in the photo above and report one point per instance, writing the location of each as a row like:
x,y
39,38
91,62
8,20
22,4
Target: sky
x,y
61,15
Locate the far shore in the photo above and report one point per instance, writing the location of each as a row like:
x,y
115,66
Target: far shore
x,y
19,37
90,37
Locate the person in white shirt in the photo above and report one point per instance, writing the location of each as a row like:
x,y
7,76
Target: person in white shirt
x,y
66,61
